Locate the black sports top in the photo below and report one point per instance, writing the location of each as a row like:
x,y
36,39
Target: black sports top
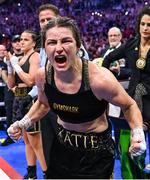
x,y
25,68
79,107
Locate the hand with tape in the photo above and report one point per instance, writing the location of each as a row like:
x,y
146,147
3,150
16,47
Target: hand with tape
x,y
138,144
9,67
14,62
15,130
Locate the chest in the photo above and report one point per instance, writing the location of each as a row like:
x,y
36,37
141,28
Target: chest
x,y
82,106
68,87
143,51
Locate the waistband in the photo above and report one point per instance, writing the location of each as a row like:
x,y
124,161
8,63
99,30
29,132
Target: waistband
x,y
21,91
84,141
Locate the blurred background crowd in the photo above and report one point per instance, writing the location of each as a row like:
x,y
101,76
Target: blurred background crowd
x,y
93,17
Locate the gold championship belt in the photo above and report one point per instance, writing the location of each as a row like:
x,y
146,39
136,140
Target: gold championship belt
x,y
141,63
21,91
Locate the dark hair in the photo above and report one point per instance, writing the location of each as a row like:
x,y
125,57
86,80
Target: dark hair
x,y
144,11
34,36
63,22
49,7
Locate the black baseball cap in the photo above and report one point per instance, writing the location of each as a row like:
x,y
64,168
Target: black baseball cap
x,y
15,38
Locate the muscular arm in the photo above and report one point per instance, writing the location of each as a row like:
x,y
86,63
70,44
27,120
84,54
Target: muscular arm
x,y
105,86
41,107
38,111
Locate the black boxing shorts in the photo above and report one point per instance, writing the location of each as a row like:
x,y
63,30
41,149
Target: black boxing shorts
x,y
77,155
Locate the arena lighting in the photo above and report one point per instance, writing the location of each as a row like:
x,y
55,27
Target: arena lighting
x,y
126,13
6,18
146,3
19,4
3,35
97,13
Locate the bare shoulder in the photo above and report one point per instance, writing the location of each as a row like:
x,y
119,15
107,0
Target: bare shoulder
x,y
35,54
40,76
34,57
99,75
101,80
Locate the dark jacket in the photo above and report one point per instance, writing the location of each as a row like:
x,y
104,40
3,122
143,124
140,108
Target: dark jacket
x,y
125,72
130,51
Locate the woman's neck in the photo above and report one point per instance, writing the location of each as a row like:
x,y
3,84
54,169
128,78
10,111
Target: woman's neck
x,y
71,73
27,53
145,42
144,47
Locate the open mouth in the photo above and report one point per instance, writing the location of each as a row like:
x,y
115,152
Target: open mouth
x,y
60,58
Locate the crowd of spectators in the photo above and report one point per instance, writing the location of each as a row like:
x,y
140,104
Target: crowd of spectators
x,y
94,18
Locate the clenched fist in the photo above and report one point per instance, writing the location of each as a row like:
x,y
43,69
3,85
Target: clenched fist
x,y
14,131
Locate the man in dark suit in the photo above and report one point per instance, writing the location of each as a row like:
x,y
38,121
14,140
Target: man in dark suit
x,y
119,68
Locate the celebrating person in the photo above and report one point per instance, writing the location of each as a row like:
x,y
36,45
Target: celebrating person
x,y
46,12
71,87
